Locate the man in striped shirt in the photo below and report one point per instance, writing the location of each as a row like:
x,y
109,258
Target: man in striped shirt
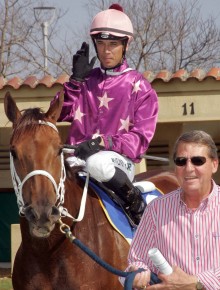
x,y
184,224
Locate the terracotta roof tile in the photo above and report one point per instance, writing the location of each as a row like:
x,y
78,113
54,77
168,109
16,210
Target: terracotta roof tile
x,y
31,81
181,74
47,80
15,82
149,75
198,74
62,79
214,72
164,75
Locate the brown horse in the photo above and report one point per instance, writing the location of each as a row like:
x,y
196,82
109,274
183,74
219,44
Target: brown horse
x,y
44,186
164,180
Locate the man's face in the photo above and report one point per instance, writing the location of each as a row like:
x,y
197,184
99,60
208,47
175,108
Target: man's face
x,y
195,179
109,52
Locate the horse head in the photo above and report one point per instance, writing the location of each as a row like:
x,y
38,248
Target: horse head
x,y
37,166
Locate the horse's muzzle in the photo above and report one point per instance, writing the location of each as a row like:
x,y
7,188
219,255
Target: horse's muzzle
x,y
41,220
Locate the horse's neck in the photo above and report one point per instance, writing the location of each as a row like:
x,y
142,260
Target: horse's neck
x,y
73,195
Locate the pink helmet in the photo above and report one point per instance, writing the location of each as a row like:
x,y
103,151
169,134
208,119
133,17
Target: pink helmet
x,y
112,23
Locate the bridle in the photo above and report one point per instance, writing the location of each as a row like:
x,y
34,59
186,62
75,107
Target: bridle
x,y
18,184
59,189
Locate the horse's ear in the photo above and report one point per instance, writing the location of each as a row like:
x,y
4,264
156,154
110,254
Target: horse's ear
x,y
11,109
55,109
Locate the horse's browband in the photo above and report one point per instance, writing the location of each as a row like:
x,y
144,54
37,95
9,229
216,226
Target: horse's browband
x,y
48,124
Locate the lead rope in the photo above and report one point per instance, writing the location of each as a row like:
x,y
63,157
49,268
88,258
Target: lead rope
x,y
129,276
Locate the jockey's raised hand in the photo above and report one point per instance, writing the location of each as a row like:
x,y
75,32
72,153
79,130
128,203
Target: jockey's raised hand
x,y
81,65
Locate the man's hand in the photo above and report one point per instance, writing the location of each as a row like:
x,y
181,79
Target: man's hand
x,y
141,280
177,280
81,65
87,148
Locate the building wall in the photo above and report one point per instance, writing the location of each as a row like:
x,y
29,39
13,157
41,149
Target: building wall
x,y
183,105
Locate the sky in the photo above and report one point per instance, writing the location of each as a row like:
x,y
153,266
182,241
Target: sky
x,y
77,14
77,18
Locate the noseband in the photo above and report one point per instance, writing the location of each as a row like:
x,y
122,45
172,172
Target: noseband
x,y
18,184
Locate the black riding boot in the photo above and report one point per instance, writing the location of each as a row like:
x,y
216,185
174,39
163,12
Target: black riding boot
x,y
133,203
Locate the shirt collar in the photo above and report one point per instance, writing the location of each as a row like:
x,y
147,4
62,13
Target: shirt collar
x,y
117,70
207,201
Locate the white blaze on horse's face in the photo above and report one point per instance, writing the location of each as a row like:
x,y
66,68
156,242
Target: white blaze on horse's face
x,y
37,168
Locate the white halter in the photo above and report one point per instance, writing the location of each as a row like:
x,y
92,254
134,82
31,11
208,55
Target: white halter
x,y
60,189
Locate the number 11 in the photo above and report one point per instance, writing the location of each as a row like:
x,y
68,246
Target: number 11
x,y
192,111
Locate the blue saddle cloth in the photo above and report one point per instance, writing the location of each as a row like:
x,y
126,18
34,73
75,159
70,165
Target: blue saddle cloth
x,y
115,214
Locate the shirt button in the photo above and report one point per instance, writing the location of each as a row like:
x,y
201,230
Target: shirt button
x,y
197,258
196,236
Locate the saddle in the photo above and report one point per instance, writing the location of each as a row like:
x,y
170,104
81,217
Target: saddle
x,y
113,209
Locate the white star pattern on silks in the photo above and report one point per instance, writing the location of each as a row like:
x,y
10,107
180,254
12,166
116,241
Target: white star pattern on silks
x,y
136,87
104,100
125,124
78,115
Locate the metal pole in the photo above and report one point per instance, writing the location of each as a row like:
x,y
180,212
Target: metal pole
x,y
162,159
45,40
48,19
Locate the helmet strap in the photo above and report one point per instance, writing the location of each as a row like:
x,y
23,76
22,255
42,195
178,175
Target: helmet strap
x,y
93,40
117,65
125,43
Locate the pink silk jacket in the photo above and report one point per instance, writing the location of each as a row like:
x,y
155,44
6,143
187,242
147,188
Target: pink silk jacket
x,y
120,105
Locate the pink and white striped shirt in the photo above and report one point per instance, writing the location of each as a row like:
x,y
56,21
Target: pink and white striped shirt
x,y
189,239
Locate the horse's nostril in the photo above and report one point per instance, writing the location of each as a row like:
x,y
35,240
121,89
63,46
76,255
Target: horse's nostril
x,y
55,211
31,214
42,215
53,214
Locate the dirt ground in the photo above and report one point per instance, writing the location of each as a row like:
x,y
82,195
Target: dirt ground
x,y
5,272
5,279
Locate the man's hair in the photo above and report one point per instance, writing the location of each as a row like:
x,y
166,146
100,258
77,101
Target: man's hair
x,y
198,137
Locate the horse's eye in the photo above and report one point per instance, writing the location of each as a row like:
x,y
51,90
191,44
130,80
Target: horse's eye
x,y
13,153
60,150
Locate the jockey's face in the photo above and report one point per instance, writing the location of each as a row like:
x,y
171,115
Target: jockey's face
x,y
110,52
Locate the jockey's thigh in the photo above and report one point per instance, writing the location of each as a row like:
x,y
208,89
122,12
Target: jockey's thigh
x,y
101,165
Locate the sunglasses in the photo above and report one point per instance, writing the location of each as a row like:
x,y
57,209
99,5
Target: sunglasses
x,y
195,160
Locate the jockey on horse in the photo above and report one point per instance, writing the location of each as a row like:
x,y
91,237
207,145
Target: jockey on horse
x,y
112,109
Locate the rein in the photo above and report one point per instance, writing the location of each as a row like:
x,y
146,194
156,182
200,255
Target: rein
x,y
59,189
129,276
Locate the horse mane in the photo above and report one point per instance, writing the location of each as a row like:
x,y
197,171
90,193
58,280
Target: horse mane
x,y
28,122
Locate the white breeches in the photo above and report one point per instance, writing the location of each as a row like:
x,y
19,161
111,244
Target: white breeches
x,y
101,165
